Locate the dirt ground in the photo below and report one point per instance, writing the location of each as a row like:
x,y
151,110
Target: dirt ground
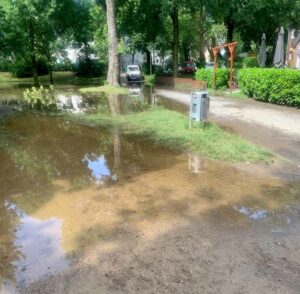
x,y
4,110
111,214
210,255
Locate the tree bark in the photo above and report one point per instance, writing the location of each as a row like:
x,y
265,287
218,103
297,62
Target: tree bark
x,y
230,30
186,51
201,35
113,60
148,56
149,61
51,76
33,54
174,16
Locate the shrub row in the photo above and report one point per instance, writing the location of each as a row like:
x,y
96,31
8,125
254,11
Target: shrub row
x,y
222,78
279,86
90,68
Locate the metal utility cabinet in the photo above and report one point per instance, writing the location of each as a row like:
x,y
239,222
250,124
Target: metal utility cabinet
x,y
199,106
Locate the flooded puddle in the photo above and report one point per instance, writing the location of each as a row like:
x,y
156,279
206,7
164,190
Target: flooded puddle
x,y
70,190
38,244
70,99
84,205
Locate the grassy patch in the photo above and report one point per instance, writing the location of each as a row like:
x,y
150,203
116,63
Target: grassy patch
x,y
171,129
105,89
150,80
60,78
227,94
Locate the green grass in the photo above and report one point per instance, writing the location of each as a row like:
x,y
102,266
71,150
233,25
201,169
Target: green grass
x,y
227,94
171,129
105,89
150,80
60,78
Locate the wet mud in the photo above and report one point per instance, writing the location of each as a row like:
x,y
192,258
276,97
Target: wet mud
x,y
86,210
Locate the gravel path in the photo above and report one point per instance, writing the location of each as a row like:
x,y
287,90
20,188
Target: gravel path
x,y
277,128
280,118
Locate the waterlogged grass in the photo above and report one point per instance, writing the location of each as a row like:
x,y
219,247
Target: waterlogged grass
x,y
150,80
60,78
105,89
171,129
227,94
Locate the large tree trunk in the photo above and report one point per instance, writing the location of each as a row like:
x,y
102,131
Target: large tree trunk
x,y
34,69
213,44
51,76
149,61
113,60
148,56
230,30
186,51
201,34
174,16
33,54
50,67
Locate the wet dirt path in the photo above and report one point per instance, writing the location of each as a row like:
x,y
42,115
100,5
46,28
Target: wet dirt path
x,y
84,210
274,127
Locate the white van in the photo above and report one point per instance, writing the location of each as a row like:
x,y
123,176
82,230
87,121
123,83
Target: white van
x,y
134,73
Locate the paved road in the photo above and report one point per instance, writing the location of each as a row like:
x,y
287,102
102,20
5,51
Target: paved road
x,y
275,127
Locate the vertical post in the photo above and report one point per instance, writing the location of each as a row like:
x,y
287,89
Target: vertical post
x,y
150,63
231,72
215,52
231,50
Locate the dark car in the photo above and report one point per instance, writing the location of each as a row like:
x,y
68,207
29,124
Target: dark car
x,y
187,67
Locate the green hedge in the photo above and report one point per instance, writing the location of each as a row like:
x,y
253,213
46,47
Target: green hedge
x,y
222,79
279,86
250,62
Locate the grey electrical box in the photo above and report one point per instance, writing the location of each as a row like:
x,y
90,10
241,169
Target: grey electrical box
x,y
199,106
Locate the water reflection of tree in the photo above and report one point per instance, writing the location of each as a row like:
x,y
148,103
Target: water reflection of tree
x,y
115,107
9,253
48,150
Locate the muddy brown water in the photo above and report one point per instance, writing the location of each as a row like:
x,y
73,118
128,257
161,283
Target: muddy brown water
x,y
87,210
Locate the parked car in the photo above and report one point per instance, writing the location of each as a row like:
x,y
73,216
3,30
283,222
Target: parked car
x,y
187,67
134,73
210,65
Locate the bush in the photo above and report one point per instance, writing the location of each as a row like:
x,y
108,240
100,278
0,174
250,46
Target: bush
x,y
250,62
65,65
146,68
222,78
40,98
279,86
161,71
5,65
23,69
90,68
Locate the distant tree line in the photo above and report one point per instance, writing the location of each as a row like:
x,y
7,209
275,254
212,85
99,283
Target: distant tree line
x,y
35,33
